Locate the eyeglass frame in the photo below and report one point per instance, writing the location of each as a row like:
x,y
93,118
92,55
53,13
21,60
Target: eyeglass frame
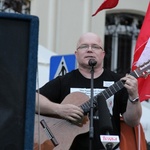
x,y
86,47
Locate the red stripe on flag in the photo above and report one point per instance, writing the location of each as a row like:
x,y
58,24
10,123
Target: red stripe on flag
x,y
144,35
107,4
144,88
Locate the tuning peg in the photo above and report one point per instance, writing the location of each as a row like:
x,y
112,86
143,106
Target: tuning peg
x,y
145,74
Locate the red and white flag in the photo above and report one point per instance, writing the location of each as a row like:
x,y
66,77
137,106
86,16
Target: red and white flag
x,y
142,54
107,4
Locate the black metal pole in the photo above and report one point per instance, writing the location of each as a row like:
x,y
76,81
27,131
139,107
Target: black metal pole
x,y
91,128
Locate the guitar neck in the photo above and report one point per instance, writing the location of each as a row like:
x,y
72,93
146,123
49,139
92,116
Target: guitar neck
x,y
107,93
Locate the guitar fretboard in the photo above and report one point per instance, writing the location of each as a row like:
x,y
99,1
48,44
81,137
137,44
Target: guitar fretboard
x,y
105,94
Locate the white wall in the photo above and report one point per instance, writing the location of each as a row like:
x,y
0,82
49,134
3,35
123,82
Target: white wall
x,y
44,56
63,21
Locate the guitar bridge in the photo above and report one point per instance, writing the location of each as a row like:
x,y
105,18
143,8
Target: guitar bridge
x,y
49,132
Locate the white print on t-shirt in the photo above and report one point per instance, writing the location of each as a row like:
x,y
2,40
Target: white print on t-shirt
x,y
87,91
107,83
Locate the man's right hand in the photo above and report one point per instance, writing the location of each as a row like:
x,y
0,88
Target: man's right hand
x,y
71,113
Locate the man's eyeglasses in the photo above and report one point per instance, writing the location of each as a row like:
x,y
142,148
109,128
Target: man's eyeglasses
x,y
94,47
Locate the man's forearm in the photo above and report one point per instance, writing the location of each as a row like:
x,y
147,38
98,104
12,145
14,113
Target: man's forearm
x,y
133,113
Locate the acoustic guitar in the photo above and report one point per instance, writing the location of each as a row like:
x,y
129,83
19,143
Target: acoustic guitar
x,y
57,133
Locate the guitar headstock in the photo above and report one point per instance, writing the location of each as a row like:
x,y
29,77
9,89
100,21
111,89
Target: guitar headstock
x,y
143,70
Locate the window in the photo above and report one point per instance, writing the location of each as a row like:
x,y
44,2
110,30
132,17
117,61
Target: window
x,y
121,32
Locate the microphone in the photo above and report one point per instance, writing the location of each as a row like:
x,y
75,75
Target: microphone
x,y
105,125
92,62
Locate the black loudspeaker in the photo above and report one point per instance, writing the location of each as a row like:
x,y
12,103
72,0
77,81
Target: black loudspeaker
x,y
18,65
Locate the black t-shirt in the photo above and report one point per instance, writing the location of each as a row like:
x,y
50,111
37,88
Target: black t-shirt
x,y
57,89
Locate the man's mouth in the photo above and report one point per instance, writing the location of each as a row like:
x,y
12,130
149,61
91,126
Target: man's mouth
x,y
89,57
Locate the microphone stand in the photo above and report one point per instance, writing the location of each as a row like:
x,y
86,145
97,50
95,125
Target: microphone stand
x,y
91,128
109,146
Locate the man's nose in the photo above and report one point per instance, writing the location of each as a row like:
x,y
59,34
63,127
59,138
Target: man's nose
x,y
90,48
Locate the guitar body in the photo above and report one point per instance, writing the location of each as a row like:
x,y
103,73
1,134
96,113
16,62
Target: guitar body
x,y
63,131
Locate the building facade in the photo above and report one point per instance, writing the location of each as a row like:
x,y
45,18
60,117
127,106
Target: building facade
x,y
63,21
